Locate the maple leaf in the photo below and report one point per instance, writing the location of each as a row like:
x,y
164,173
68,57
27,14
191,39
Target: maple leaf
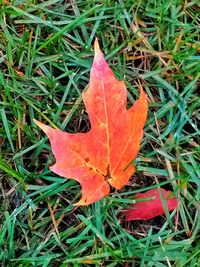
x,y
102,156
151,208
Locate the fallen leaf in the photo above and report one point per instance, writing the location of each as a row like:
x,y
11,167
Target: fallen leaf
x,y
102,156
149,209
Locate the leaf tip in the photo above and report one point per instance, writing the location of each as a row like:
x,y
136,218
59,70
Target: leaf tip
x,y
97,49
81,202
142,92
96,46
42,126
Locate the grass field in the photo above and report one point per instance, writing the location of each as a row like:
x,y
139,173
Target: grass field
x,y
46,52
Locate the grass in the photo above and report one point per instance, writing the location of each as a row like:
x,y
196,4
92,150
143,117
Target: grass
x,y
46,51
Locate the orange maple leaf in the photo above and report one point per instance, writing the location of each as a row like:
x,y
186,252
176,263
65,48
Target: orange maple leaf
x,y
102,156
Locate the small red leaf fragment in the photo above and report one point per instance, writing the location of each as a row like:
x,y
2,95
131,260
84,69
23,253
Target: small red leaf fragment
x,y
102,156
151,208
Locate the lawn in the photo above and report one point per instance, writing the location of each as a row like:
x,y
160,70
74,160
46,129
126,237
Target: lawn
x,y
46,52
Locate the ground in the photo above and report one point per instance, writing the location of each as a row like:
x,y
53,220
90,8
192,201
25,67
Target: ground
x,y
46,52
